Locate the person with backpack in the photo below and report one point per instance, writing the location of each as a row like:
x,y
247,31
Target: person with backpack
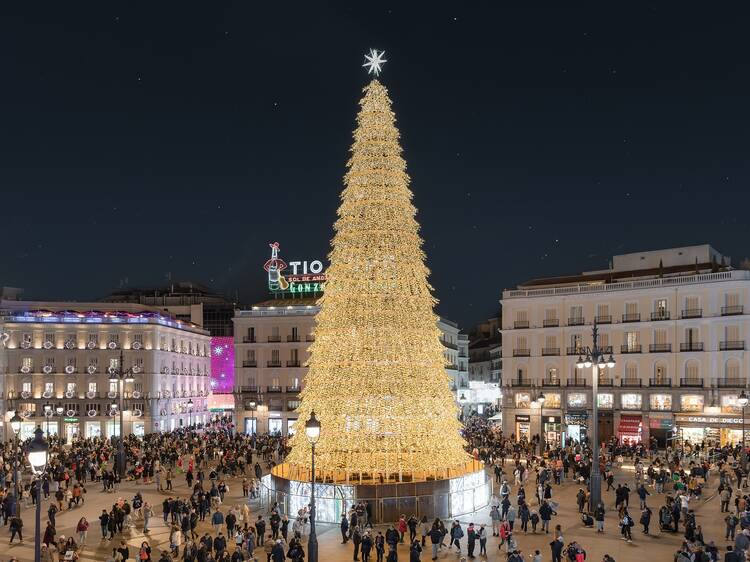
x,y
645,519
457,534
625,524
731,521
534,518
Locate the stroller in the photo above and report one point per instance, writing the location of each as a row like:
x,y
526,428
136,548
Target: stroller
x,y
666,521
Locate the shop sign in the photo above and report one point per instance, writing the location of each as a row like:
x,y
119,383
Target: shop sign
x,y
708,420
70,420
306,277
523,418
659,423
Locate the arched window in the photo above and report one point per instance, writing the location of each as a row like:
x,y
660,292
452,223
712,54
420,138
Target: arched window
x,y
553,375
660,373
521,374
631,371
692,370
732,369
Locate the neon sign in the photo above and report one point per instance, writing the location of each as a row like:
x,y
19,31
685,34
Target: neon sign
x,y
306,277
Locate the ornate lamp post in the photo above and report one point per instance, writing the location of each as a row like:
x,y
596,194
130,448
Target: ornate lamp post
x,y
595,358
121,376
312,430
48,413
542,439
38,449
252,409
15,424
190,412
742,400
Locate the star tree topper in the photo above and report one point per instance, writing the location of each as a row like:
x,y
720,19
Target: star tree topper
x,y
374,61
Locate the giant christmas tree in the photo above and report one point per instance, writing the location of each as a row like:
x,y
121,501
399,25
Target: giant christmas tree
x,y
376,378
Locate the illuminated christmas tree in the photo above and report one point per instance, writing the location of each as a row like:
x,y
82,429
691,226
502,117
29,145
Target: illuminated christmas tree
x,y
376,378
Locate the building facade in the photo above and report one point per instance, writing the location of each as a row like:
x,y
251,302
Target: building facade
x,y
57,358
272,341
675,323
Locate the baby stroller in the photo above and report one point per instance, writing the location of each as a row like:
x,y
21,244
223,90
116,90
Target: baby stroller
x,y
666,522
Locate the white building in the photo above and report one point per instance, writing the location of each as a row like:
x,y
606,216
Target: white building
x,y
271,350
676,325
57,358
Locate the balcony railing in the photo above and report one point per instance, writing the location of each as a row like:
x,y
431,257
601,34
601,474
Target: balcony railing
x,y
732,345
631,382
550,351
635,317
692,346
576,382
660,347
248,339
310,338
521,352
662,383
273,364
292,338
293,389
604,319
249,363
274,339
573,351
249,389
606,382
520,382
449,345
576,321
293,363
660,315
634,348
692,313
606,349
690,382
731,383
518,324
273,389
452,367
731,310
551,323
550,382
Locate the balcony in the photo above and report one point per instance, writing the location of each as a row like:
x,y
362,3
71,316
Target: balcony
x,y
293,389
551,323
521,353
519,324
274,364
462,368
606,319
520,382
692,346
660,348
631,383
731,383
292,338
691,383
310,338
576,321
273,389
249,389
658,315
634,317
295,363
248,339
452,367
550,351
576,382
274,339
574,351
449,345
550,382
738,345
660,383
634,348
606,382
732,310
692,313
249,363
606,349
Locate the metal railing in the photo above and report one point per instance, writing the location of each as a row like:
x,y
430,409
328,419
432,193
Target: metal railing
x,y
273,364
731,383
660,315
731,310
635,348
574,350
248,339
293,389
551,323
293,363
603,381
550,382
692,346
274,339
604,319
249,389
664,383
576,321
692,313
634,317
550,351
576,382
249,363
660,347
518,324
273,389
732,345
691,382
631,382
520,382
522,352
292,339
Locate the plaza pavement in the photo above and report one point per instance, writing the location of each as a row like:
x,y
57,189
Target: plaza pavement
x,y
656,546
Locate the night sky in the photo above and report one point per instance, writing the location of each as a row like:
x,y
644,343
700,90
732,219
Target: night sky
x,y
143,140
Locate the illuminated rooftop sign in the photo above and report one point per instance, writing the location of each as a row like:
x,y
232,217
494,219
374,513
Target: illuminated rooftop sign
x,y
306,277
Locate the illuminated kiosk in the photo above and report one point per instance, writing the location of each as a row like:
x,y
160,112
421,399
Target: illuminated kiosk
x,y
376,391
451,495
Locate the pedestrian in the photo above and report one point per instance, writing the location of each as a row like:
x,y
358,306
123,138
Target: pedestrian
x,y
457,534
599,517
645,519
16,528
82,528
482,536
471,538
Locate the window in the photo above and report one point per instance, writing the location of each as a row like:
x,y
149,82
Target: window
x,y
70,362
631,309
49,339
550,314
70,387
576,312
275,382
661,401
295,333
552,400
692,303
163,343
295,356
729,405
660,307
732,369
92,387
605,400
602,311
576,342
49,388
631,371
523,400
27,363
552,376
275,356
631,340
26,387
731,299
631,401
731,333
275,332
114,363
576,400
138,338
138,364
26,340
113,386
660,373
692,370
692,335
691,403
550,342
604,340
114,338
660,337
250,355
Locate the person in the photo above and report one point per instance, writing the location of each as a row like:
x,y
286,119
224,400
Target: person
x,y
277,552
49,534
534,518
599,517
415,551
148,513
556,547
402,526
144,554
625,524
496,518
471,537
344,526
82,528
645,519
366,546
16,528
379,546
545,513
357,541
482,536
456,534
436,537
731,521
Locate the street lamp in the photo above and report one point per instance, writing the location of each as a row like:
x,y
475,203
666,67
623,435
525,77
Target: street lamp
x,y
742,400
38,449
312,430
15,425
48,413
252,418
190,412
542,440
121,376
595,358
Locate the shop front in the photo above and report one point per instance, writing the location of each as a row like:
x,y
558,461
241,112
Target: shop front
x,y
576,426
606,426
523,427
630,429
552,431
72,426
660,428
721,430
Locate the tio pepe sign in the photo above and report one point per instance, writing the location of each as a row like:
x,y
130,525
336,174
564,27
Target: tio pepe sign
x,y
306,277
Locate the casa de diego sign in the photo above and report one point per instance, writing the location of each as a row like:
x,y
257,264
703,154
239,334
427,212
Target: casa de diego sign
x,y
709,420
304,277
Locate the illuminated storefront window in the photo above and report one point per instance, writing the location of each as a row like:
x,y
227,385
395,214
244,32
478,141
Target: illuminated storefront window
x,y
691,403
631,401
605,401
552,400
576,400
661,401
523,400
729,405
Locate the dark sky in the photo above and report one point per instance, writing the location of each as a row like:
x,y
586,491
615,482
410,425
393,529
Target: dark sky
x,y
143,139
